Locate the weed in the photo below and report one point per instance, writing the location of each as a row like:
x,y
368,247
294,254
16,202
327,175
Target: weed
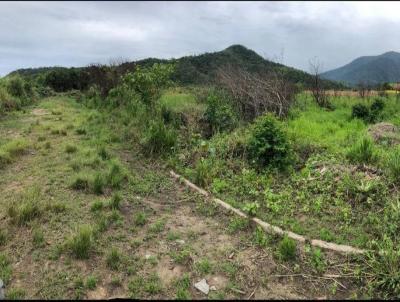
x,y
140,219
393,164
3,237
114,259
81,182
16,294
71,149
115,175
182,288
97,206
98,184
91,282
81,243
5,268
317,260
287,249
363,151
259,237
237,224
38,238
181,257
157,227
80,131
115,202
153,284
251,208
103,153
203,266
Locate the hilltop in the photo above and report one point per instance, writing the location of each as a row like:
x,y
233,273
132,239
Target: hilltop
x,y
201,69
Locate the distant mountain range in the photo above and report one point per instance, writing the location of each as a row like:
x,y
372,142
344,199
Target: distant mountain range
x,y
369,69
201,69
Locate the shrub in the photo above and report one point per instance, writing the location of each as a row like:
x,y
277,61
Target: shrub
x,y
81,243
268,144
368,114
15,87
376,110
158,138
363,151
148,82
219,114
287,249
360,111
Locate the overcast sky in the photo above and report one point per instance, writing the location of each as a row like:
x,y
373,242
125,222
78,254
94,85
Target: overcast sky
x,y
34,34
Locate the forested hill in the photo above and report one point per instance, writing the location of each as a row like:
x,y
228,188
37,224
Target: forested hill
x,y
368,69
201,69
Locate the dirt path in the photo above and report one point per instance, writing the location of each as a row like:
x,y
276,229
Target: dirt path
x,y
167,238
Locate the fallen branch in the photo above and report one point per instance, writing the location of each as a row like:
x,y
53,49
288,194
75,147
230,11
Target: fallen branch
x,y
340,248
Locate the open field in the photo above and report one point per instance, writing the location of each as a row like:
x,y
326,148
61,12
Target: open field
x,y
146,236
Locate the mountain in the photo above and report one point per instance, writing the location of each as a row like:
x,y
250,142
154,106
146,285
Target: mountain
x,y
369,69
202,69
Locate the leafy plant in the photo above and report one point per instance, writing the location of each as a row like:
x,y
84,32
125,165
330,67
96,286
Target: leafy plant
x,y
251,208
268,144
287,249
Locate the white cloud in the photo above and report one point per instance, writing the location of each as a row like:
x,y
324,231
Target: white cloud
x,y
77,33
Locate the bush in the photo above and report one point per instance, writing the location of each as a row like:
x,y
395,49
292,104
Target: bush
x,y
16,87
360,111
363,151
368,114
158,138
287,249
219,114
376,110
148,82
81,243
268,144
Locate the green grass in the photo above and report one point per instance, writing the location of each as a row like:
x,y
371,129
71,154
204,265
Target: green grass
x,y
81,243
11,150
114,259
181,102
5,268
